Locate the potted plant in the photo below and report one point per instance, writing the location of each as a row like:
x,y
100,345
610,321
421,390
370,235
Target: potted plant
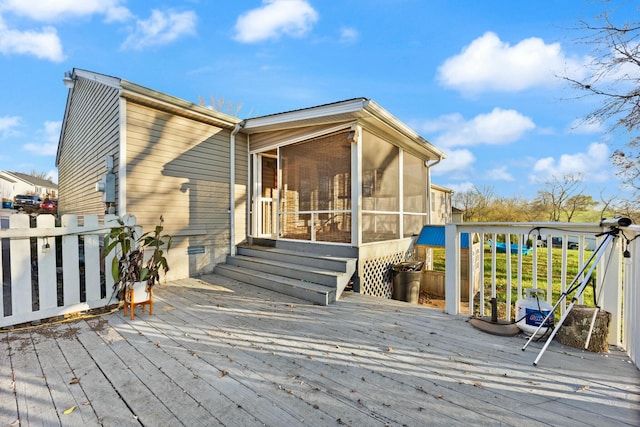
x,y
134,272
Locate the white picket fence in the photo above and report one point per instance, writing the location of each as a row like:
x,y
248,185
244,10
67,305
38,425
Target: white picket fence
x,y
41,280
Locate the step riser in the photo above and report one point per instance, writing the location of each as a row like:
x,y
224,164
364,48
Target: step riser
x,y
308,260
322,298
308,276
318,248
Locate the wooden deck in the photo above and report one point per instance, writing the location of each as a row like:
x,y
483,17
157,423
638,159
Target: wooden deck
x,y
226,353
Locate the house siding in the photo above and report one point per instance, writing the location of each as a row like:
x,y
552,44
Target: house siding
x,y
179,168
241,176
91,133
441,206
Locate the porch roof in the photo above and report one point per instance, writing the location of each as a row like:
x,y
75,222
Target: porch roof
x,y
361,110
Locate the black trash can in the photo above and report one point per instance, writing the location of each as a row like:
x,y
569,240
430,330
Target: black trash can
x,y
407,277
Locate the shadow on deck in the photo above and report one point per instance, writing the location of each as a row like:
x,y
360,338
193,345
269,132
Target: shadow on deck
x,y
220,352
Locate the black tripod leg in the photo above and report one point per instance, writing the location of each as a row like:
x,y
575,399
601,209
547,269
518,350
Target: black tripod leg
x,y
583,285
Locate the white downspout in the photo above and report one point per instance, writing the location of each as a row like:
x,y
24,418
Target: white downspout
x,y
232,188
429,166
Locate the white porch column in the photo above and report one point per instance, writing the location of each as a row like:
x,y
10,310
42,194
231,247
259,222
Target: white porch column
x,y
356,186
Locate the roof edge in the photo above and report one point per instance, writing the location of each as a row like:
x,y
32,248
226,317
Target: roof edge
x,y
385,116
340,107
135,91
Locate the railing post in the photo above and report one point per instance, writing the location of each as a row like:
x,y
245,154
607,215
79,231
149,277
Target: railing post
x,y
452,269
609,276
70,265
92,261
631,340
21,298
47,277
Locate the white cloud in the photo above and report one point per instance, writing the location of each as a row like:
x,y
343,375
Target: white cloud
x,y
53,175
117,14
499,174
461,187
44,44
348,35
8,125
160,29
489,64
293,18
583,127
457,160
593,165
48,10
49,135
497,127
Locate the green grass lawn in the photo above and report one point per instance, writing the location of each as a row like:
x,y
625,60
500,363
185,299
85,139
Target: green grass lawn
x,y
527,276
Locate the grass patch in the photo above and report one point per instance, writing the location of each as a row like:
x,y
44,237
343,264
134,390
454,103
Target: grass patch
x,y
527,273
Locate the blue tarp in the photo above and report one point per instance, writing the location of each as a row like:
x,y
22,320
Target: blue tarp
x,y
433,235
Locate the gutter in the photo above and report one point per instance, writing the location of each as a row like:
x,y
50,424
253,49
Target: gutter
x,y
232,188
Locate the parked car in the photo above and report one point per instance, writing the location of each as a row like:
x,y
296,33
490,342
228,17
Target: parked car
x,y
27,202
556,242
49,206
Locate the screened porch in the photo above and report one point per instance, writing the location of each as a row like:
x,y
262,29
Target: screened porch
x,y
305,191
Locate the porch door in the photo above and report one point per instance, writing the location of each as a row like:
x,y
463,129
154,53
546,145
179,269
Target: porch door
x,y
267,199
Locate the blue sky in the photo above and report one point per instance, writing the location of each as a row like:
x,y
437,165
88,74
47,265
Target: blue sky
x,y
479,79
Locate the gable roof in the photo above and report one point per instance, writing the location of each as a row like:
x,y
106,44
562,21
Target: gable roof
x,y
363,110
145,96
38,182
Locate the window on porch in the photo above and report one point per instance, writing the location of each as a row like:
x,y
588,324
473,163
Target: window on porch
x,y
388,211
316,190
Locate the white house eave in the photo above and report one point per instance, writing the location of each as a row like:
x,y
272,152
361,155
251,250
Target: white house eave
x,y
97,77
145,95
390,120
260,124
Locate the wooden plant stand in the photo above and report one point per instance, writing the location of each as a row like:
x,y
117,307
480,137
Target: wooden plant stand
x,y
131,303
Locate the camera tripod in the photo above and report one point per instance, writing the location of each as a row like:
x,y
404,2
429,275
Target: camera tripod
x,y
611,235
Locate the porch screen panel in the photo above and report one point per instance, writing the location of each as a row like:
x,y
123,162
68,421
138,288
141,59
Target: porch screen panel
x,y
380,190
414,178
316,190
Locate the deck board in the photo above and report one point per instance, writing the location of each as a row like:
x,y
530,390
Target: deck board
x,y
8,408
227,353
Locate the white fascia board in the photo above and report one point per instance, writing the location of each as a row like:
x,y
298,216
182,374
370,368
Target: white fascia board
x,y
383,115
345,107
134,92
97,77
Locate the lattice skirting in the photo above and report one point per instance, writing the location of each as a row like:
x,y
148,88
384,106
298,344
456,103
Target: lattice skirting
x,y
376,274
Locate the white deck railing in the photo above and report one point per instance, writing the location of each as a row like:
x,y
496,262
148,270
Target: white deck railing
x,y
41,280
617,276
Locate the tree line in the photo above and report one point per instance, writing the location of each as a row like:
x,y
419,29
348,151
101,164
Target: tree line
x,y
561,199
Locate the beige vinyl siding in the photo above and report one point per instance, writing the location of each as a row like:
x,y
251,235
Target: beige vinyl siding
x,y
91,133
242,173
179,168
441,206
264,140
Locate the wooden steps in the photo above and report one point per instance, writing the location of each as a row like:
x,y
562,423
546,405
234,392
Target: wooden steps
x,y
310,276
